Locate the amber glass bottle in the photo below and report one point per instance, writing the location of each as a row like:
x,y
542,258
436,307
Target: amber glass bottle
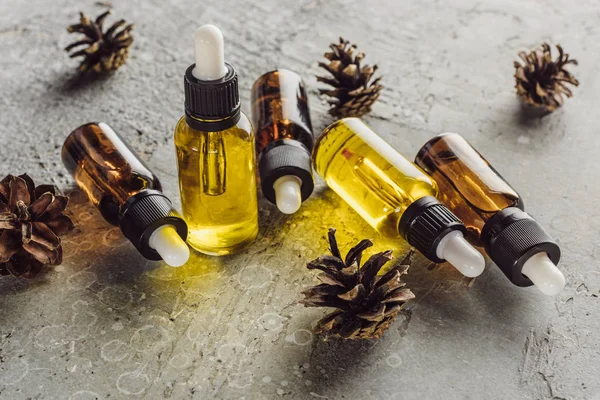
x,y
493,213
284,139
467,183
125,191
105,168
280,109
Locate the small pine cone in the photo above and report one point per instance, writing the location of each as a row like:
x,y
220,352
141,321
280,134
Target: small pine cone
x,y
104,51
366,303
31,221
541,81
353,92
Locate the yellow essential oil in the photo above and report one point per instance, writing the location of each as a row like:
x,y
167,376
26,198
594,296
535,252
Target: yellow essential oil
x,y
392,194
374,179
218,186
215,153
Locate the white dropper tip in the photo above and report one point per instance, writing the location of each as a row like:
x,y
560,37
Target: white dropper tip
x,y
287,193
457,251
209,51
544,274
169,245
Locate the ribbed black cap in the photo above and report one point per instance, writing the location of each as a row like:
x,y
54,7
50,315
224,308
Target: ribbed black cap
x,y
281,158
511,237
142,214
425,223
212,105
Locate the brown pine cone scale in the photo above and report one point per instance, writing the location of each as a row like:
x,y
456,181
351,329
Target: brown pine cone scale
x,y
31,221
366,303
104,51
542,81
353,92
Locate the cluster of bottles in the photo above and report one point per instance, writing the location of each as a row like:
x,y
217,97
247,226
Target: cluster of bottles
x,y
449,200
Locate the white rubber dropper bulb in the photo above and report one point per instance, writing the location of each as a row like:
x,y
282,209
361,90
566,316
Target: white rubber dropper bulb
x,y
169,245
544,274
209,52
288,196
457,251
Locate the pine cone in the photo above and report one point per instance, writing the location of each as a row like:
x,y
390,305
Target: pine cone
x,y
31,221
105,51
352,94
542,82
366,303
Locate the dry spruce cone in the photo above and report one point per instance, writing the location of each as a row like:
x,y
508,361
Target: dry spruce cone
x,y
366,303
31,221
541,81
105,51
353,92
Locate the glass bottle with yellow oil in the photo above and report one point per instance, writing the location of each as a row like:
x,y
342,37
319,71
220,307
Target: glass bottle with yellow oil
x,y
392,194
215,153
493,212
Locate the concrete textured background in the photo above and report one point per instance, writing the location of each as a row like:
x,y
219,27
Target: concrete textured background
x,y
108,323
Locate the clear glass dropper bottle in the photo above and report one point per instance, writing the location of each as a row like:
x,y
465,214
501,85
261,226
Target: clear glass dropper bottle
x,y
126,192
493,213
392,194
284,138
215,153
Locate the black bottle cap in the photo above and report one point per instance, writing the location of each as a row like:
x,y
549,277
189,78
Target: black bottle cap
x,y
511,237
142,214
425,223
281,158
212,106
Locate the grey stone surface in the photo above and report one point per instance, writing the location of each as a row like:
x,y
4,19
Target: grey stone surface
x,y
107,323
